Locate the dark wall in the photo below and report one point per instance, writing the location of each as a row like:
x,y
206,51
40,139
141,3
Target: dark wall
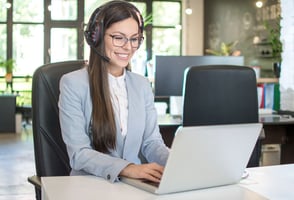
x,y
240,20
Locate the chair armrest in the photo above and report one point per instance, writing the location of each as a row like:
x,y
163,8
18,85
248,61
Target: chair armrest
x,y
35,180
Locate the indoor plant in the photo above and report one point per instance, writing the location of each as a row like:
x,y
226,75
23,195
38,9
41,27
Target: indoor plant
x,y
8,65
226,49
274,34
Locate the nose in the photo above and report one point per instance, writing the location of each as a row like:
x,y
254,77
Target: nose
x,y
128,44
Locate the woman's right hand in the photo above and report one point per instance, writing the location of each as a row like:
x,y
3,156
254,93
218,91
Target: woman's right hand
x,y
149,171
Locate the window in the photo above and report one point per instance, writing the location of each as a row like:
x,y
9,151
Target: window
x,y
27,35
63,29
27,48
63,44
3,31
166,28
162,30
34,32
63,10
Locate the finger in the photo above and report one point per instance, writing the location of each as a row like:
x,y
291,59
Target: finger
x,y
157,174
153,172
157,167
152,178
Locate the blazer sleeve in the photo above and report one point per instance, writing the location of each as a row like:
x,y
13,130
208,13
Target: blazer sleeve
x,y
74,112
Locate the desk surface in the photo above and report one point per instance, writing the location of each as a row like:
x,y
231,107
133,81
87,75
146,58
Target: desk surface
x,y
276,119
274,182
266,119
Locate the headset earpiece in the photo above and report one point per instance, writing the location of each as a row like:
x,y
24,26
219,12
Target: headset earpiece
x,y
93,31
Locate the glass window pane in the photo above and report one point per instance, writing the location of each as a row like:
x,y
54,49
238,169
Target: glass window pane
x,y
3,41
28,11
3,46
28,48
90,6
86,50
4,6
64,9
166,13
141,7
63,44
166,41
139,59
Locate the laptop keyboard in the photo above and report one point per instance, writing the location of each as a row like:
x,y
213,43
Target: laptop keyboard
x,y
151,183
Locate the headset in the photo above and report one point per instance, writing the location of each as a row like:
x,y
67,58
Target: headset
x,y
94,32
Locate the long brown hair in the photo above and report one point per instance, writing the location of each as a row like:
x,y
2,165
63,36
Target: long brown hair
x,y
103,118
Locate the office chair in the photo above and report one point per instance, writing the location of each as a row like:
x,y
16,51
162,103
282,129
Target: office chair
x,y
51,157
221,94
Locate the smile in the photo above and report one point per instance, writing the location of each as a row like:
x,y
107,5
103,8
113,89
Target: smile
x,y
122,55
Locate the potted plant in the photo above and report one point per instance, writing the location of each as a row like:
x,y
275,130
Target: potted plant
x,y
8,65
226,49
274,34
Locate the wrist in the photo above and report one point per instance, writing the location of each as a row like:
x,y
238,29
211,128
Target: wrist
x,y
127,170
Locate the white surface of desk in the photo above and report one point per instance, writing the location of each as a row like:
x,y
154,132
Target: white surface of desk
x,y
274,182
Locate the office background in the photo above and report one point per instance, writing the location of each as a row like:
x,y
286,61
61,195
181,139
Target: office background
x,y
211,23
194,39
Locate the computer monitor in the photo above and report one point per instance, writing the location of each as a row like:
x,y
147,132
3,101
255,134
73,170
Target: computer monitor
x,y
169,70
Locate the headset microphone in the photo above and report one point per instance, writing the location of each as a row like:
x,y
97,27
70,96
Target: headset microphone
x,y
105,58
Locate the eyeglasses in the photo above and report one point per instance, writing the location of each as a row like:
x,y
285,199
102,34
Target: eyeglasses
x,y
120,40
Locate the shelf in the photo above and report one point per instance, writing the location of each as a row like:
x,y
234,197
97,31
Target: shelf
x,y
267,80
262,43
267,56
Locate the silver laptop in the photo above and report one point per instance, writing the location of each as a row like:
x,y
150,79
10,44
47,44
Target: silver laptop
x,y
204,157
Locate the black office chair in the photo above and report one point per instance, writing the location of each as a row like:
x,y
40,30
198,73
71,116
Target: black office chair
x,y
221,94
51,157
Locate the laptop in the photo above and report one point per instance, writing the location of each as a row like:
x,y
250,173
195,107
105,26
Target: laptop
x,y
204,157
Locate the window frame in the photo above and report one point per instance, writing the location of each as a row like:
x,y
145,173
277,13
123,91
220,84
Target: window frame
x,y
77,24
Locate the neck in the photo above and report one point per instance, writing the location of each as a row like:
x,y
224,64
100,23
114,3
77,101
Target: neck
x,y
117,72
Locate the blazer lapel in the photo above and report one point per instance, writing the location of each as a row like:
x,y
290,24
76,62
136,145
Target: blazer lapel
x,y
134,134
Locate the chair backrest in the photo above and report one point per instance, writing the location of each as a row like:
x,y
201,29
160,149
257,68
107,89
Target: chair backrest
x,y
221,94
51,157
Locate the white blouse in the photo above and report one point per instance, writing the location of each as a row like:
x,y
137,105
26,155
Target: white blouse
x,y
118,91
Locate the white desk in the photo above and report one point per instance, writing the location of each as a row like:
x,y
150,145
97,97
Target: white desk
x,y
274,182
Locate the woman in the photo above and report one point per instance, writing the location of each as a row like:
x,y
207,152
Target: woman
x,y
107,114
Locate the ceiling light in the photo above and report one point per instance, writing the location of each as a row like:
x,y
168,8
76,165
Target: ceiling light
x,y
188,10
259,4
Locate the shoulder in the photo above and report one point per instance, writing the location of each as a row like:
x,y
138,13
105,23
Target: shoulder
x,y
80,73
75,77
75,81
137,78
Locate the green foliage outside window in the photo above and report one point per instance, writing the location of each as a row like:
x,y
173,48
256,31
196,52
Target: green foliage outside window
x,y
29,34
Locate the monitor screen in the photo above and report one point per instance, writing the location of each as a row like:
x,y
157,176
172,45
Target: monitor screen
x,y
169,70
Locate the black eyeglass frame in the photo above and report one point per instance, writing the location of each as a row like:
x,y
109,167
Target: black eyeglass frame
x,y
126,40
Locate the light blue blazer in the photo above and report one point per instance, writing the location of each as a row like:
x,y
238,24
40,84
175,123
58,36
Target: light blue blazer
x,y
142,142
